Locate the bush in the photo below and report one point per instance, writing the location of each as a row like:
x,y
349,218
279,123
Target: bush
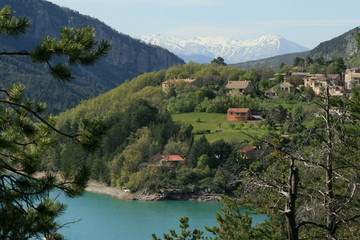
x,y
152,179
192,176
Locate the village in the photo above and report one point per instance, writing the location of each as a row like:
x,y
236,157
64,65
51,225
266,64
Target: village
x,y
339,84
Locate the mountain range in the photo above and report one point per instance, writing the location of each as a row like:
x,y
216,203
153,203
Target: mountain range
x,y
343,46
127,58
205,49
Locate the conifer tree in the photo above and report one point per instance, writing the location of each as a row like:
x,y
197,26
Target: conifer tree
x,y
27,134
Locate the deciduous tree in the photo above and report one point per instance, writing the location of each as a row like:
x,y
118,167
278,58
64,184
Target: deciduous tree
x,y
314,184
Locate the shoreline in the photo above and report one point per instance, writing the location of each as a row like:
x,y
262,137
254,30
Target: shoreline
x,y
101,188
202,195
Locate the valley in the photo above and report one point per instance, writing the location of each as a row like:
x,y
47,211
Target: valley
x,y
94,109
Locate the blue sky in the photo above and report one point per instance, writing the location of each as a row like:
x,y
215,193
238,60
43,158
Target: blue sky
x,y
307,22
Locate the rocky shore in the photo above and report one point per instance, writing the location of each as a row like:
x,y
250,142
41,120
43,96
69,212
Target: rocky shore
x,y
201,195
163,195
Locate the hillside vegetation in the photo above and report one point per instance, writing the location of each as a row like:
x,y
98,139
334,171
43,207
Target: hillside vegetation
x,y
144,121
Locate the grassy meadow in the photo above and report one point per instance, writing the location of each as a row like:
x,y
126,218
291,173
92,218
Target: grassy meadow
x,y
216,124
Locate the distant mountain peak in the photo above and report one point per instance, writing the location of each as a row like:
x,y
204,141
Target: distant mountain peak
x,y
205,49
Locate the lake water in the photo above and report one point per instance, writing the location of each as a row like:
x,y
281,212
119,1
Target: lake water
x,y
106,218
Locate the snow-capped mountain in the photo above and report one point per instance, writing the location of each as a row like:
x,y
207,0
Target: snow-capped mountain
x,y
205,49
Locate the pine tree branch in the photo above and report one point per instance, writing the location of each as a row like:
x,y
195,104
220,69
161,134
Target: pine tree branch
x,y
39,118
302,223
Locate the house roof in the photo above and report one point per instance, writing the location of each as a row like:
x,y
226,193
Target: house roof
x,y
239,85
352,70
238,110
303,74
323,77
247,149
286,84
171,158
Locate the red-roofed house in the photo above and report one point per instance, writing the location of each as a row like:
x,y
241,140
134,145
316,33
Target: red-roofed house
x,y
238,114
172,160
248,151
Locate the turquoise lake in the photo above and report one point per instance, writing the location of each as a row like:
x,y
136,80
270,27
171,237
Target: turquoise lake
x,y
103,217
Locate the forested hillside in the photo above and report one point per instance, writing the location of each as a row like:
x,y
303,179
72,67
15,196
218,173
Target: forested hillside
x,y
139,118
127,58
140,127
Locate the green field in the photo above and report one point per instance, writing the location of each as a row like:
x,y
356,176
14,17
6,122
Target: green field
x,y
219,128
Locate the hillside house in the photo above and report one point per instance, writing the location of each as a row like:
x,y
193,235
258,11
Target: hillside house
x,y
271,92
172,82
172,160
284,86
248,152
239,85
238,114
317,82
287,87
352,77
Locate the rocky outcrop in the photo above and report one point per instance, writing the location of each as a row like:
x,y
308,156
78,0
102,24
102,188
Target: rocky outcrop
x,y
344,46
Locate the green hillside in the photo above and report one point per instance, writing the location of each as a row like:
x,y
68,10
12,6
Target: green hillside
x,y
143,121
272,62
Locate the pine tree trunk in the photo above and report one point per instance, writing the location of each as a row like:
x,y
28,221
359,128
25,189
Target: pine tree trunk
x,y
329,198
290,208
